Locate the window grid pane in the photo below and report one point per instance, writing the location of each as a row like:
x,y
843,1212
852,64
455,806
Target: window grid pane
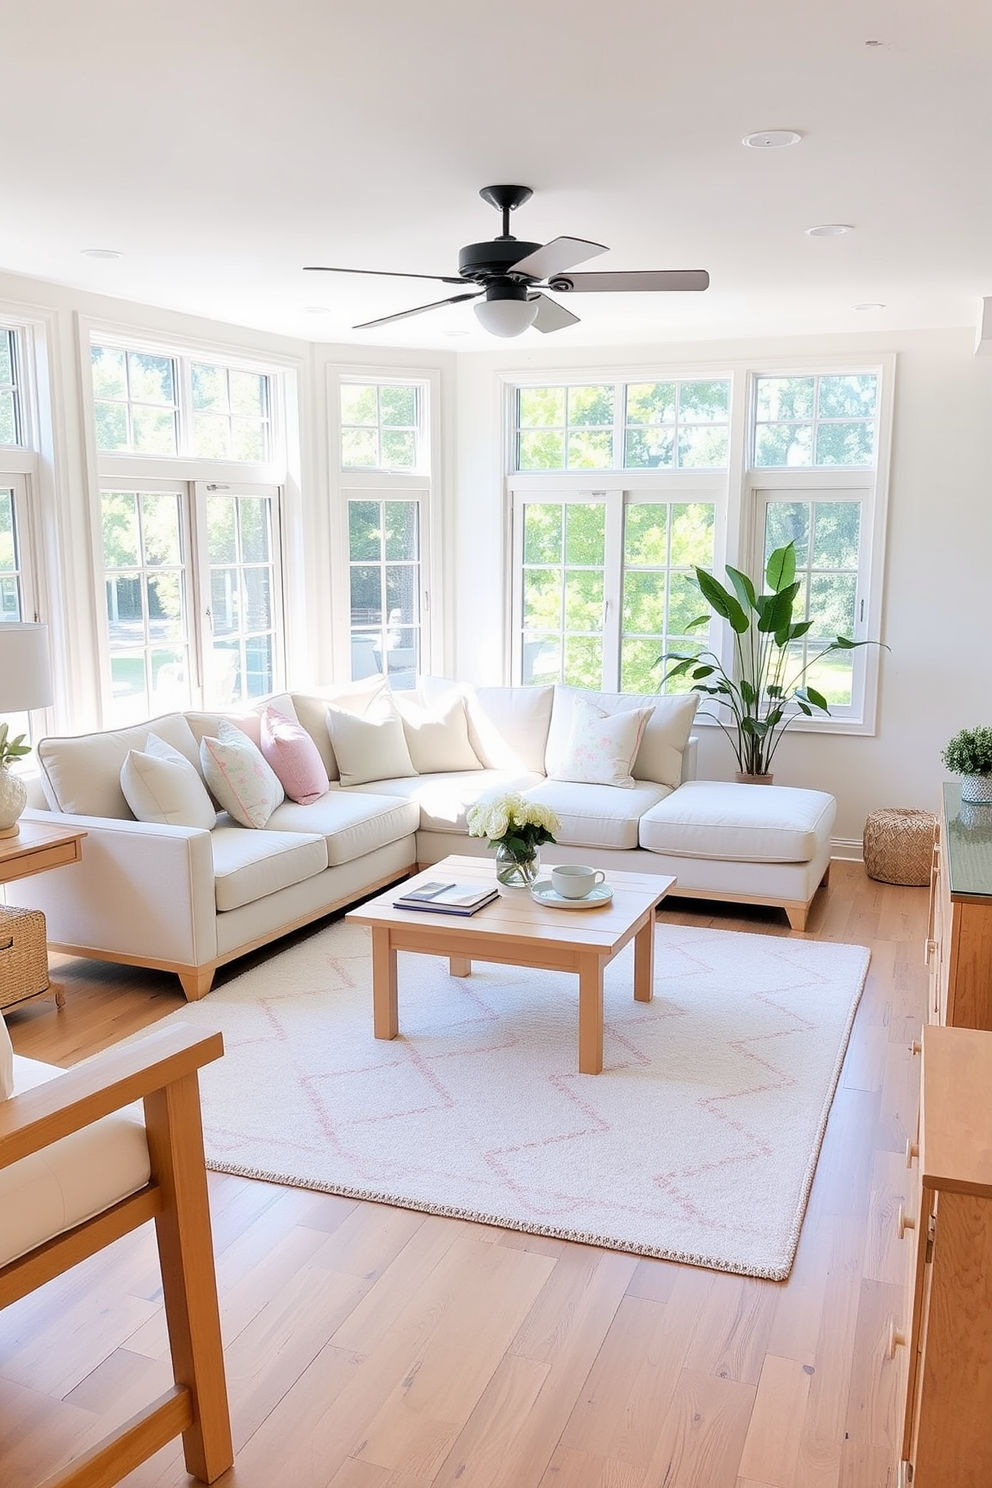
x,y
380,426
385,580
816,421
11,428
147,621
242,598
662,542
11,591
563,591
635,426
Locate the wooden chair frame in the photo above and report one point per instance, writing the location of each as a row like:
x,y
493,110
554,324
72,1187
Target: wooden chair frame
x,y
160,1070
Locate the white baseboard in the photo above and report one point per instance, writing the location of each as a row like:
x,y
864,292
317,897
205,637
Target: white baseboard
x,y
849,848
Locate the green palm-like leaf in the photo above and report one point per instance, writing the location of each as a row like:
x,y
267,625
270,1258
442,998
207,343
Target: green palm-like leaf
x,y
743,587
722,601
781,569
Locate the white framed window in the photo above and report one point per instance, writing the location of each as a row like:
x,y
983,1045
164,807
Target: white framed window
x,y
705,470
601,580
12,420
188,525
384,483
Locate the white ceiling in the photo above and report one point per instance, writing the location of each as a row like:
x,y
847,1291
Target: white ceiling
x,y
220,145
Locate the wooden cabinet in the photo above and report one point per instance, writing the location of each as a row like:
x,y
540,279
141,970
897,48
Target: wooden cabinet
x,y
947,1439
959,937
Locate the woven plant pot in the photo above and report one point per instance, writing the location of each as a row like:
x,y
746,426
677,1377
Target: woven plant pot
x,y
977,788
898,845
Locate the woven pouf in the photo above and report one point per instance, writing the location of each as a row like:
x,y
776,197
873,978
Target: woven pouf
x,y
898,845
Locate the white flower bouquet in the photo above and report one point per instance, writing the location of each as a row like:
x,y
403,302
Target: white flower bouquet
x,y
519,827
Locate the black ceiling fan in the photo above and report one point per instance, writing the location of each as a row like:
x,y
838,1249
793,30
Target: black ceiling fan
x,y
513,275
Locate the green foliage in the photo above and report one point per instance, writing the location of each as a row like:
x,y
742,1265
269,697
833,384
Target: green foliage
x,y
763,695
12,749
969,752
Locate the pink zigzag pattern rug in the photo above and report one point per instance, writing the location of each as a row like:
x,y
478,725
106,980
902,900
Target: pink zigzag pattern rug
x,y
697,1143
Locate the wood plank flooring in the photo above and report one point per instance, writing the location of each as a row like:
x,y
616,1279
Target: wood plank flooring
x,y
370,1347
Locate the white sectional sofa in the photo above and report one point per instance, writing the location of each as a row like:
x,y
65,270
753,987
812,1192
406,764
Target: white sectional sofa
x,y
188,898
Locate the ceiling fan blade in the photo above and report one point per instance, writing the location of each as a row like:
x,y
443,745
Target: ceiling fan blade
x,y
551,316
387,273
650,279
367,325
556,256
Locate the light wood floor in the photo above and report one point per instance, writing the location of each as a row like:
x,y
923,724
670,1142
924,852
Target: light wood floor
x,y
370,1347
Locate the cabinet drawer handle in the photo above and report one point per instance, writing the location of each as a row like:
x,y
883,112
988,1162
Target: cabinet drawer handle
x,y
916,1047
897,1339
912,1151
931,947
904,1222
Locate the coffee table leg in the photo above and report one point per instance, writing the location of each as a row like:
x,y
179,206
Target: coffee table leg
x,y
644,961
590,1015
459,965
385,1013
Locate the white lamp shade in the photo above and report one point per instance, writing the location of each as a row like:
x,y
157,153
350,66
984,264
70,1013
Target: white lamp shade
x,y
25,670
509,317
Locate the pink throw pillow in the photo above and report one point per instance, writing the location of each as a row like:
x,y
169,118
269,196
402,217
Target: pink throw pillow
x,y
294,757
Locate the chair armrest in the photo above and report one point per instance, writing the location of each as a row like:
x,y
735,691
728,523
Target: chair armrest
x,y
95,1088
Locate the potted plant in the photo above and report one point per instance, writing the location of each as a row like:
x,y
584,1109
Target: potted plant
x,y
969,754
764,692
13,793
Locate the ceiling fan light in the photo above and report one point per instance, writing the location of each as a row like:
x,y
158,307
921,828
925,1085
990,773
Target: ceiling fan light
x,y
506,317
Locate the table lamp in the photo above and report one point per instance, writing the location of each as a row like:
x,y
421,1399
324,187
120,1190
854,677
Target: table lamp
x,y
25,683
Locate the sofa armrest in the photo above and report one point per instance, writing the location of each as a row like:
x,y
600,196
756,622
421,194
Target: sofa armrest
x,y
690,759
142,890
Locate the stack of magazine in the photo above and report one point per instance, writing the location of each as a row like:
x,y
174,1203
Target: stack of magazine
x,y
439,897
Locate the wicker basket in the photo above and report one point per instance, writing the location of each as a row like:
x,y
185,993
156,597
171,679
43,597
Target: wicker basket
x,y
898,845
23,955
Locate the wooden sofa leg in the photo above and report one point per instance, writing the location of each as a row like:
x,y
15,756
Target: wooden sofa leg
x,y
797,915
826,877
185,1246
197,984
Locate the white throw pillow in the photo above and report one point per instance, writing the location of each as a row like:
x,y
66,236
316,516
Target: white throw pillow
x,y
437,737
245,785
6,1063
372,746
602,746
160,785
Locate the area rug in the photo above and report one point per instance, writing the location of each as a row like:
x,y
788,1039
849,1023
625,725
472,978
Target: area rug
x,y
697,1143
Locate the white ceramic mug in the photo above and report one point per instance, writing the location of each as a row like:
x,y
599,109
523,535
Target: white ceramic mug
x,y
572,881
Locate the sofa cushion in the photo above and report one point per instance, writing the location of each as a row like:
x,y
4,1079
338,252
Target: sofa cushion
x,y
245,785
370,746
295,758
597,815
659,756
351,823
739,823
81,775
311,710
248,720
443,801
437,737
160,785
602,746
251,865
72,1179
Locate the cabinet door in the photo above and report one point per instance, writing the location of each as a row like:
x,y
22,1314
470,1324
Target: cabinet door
x,y
935,935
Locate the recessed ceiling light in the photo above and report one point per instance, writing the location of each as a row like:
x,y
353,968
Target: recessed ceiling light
x,y
869,306
771,139
316,309
100,253
829,230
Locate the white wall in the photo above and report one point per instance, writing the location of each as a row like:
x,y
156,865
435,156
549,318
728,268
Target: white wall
x,y
937,615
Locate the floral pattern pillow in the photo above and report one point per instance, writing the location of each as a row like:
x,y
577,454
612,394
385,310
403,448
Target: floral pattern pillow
x,y
247,788
602,746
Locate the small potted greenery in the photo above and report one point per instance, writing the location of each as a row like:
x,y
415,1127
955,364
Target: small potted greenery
x,y
13,793
969,754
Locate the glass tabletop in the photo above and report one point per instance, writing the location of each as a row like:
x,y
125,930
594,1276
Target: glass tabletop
x,y
969,843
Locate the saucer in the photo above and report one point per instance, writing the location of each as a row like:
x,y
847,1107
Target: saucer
x,y
544,892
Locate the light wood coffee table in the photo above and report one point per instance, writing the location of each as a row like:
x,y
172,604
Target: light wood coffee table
x,y
517,931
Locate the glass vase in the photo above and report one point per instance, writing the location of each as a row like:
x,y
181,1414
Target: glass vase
x,y
514,871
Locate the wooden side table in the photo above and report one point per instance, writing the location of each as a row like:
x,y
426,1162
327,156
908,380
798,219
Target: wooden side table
x,y
36,848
